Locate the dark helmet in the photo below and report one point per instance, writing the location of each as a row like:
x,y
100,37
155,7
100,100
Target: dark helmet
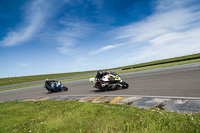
x,y
99,72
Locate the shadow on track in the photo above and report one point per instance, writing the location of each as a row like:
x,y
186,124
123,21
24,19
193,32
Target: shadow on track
x,y
100,91
55,92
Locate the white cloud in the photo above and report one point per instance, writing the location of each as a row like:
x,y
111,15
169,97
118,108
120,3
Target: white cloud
x,y
70,36
105,48
36,14
170,31
159,24
22,64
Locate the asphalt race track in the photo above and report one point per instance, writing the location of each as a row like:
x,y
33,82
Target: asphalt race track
x,y
178,81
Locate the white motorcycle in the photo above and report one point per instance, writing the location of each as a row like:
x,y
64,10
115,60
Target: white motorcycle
x,y
110,81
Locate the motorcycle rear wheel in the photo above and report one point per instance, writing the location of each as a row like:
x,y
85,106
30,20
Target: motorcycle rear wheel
x,y
124,85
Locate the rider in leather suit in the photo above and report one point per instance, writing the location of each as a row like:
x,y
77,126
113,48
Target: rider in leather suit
x,y
100,74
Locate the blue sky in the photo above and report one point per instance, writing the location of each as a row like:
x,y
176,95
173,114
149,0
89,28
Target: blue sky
x,y
57,36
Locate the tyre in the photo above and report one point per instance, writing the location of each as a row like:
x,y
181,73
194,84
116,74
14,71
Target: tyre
x,y
65,88
124,85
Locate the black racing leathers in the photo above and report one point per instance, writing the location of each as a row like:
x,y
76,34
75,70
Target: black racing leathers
x,y
98,77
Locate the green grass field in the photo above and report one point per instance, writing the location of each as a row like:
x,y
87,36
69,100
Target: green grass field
x,y
78,117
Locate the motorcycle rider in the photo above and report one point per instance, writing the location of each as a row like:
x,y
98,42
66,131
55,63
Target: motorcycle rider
x,y
100,74
108,80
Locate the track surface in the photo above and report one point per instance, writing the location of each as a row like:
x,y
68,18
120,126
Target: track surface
x,y
172,81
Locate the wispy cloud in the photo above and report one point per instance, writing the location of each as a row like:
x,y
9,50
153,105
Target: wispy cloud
x,y
71,35
22,64
105,48
35,16
166,34
170,30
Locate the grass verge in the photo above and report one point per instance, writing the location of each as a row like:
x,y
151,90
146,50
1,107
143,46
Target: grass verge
x,y
68,117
